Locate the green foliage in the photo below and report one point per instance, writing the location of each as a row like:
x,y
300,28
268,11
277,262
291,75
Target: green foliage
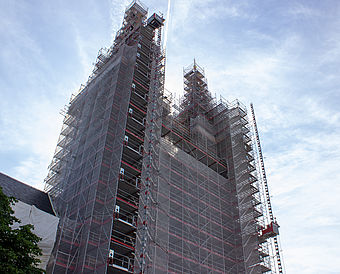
x,y
18,247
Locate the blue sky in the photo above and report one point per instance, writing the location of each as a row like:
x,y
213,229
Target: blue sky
x,y
283,56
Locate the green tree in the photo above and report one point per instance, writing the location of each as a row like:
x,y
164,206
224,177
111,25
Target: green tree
x,y
18,247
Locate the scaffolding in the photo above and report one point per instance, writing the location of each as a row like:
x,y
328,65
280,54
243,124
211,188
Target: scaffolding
x,y
143,184
94,177
206,210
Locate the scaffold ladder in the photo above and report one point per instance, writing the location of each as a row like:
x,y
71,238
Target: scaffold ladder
x,y
267,196
150,152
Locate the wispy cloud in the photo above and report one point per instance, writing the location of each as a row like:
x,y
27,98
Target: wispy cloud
x,y
117,9
304,10
85,60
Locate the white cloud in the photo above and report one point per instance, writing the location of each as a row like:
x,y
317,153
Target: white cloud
x,y
30,172
32,129
303,10
84,57
117,9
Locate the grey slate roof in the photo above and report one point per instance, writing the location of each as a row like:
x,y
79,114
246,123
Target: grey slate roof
x,y
25,193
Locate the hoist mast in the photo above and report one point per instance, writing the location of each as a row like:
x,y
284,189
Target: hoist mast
x,y
272,229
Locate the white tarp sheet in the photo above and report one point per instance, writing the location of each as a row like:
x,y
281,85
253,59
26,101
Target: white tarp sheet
x,y
45,227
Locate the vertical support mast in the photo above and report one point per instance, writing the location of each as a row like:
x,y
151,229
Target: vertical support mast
x,y
265,183
267,196
153,128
